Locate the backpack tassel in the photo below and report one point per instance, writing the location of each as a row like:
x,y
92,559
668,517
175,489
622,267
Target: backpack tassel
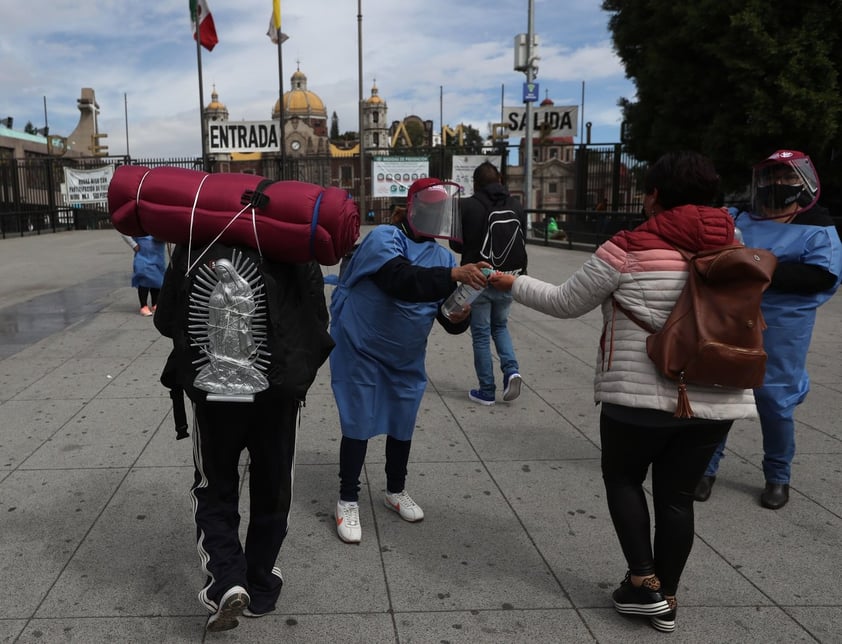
x,y
682,407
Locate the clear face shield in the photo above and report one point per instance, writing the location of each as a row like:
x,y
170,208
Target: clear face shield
x,y
434,211
783,186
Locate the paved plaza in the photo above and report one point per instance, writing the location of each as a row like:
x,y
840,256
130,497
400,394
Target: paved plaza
x,y
96,532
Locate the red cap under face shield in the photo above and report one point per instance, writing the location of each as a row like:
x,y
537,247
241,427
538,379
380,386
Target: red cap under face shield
x,y
784,185
433,209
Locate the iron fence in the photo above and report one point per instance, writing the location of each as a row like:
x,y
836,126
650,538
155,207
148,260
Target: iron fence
x,y
567,179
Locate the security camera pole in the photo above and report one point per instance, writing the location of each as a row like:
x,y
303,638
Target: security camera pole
x,y
525,59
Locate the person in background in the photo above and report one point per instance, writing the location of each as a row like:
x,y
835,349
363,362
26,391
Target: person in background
x,y
785,189
642,270
382,310
147,270
490,311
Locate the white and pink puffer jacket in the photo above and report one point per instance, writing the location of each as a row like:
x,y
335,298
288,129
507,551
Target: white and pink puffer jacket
x,y
642,270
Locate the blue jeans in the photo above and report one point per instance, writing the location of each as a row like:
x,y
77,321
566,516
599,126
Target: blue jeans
x,y
778,425
489,318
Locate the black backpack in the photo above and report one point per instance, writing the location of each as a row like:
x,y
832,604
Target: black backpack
x,y
504,245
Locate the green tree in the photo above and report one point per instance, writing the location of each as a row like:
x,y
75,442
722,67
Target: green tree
x,y
471,140
29,128
733,80
415,131
334,127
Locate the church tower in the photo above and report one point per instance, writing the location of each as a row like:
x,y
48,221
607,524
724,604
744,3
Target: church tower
x,y
375,124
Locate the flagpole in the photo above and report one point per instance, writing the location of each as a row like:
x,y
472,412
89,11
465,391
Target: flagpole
x,y
205,164
281,103
126,114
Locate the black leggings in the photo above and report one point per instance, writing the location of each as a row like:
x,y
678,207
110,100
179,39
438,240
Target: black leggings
x,y
352,456
678,456
143,292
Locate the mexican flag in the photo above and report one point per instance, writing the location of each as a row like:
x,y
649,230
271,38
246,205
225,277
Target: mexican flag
x,y
200,15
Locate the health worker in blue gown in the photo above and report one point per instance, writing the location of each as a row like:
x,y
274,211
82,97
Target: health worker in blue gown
x,y
786,219
387,298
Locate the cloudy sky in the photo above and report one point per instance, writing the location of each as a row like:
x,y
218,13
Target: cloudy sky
x,y
140,59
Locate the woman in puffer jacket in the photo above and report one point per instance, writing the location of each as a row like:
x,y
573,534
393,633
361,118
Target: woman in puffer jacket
x,y
643,271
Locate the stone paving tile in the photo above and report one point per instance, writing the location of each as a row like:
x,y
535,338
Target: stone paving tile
x,y
96,536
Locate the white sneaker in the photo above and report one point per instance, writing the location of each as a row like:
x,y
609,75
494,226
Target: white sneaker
x,y
231,606
348,521
511,386
403,504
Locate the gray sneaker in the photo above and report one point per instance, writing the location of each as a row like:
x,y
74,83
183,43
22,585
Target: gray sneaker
x,y
231,606
511,386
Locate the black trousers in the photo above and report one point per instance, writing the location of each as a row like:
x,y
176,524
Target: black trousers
x,y
144,293
223,430
678,455
352,457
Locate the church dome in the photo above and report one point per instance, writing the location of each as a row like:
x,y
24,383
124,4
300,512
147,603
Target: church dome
x,y
216,111
299,101
215,104
374,99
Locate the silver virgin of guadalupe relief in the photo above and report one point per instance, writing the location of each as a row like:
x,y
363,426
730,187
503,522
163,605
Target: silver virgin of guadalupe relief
x,y
227,322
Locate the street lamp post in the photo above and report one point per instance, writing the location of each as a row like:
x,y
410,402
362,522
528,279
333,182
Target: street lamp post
x,y
360,105
530,76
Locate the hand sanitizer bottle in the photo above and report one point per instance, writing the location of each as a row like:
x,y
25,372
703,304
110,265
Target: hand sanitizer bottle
x,y
462,297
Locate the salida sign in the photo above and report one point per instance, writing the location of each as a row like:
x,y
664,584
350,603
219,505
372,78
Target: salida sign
x,y
244,136
551,120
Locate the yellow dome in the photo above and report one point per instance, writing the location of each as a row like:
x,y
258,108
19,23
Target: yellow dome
x,y
215,104
374,99
299,101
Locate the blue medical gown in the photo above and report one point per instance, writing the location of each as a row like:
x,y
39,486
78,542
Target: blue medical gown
x,y
790,317
377,367
149,263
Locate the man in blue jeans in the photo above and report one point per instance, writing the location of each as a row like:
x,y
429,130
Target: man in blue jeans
x,y
493,230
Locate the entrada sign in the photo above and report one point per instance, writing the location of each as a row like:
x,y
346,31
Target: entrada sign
x,y
244,136
551,120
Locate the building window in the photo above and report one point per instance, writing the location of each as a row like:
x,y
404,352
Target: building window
x,y
552,187
376,139
375,117
553,153
346,175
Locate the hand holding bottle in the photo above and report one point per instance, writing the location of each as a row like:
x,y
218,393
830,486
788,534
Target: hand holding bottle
x,y
472,274
456,307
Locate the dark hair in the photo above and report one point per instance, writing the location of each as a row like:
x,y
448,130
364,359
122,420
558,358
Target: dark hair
x,y
682,178
486,173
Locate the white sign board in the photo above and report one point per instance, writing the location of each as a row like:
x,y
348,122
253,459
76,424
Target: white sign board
x,y
87,186
244,136
463,170
392,176
550,120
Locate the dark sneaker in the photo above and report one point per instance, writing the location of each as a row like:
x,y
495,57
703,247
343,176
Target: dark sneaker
x,y
479,396
231,606
254,615
703,488
644,600
666,622
511,386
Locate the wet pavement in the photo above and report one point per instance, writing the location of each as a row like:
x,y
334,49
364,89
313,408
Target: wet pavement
x,y
96,533
35,319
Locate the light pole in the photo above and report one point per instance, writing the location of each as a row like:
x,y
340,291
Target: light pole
x,y
360,103
530,76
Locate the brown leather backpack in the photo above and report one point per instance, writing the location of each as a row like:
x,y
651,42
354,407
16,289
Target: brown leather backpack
x,y
714,334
